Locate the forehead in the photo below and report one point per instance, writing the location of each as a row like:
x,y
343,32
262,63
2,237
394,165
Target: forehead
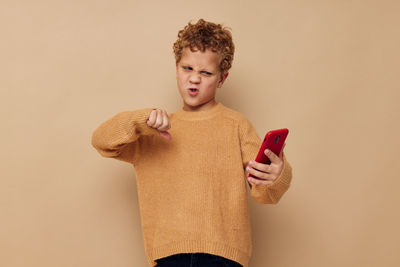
x,y
206,59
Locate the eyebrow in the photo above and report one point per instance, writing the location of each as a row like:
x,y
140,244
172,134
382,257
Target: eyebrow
x,y
188,65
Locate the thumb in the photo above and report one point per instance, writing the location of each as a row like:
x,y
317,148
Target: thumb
x,y
165,134
281,154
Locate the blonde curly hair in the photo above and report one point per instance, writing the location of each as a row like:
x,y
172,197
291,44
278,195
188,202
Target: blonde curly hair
x,y
206,35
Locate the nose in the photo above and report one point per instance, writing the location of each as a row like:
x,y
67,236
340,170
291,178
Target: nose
x,y
195,78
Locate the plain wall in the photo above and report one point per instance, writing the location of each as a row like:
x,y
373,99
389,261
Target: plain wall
x,y
327,70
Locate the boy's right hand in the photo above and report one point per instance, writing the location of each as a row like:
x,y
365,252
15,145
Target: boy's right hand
x,y
159,120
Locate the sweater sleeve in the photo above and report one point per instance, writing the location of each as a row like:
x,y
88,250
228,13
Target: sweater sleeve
x,y
118,136
250,143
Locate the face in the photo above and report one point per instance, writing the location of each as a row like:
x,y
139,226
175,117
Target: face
x,y
198,77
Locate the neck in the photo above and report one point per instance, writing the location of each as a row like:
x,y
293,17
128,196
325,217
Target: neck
x,y
201,107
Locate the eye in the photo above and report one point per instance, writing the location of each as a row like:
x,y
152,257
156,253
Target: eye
x,y
187,68
207,73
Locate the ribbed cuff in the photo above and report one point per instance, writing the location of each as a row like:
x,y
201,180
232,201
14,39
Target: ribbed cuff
x,y
140,118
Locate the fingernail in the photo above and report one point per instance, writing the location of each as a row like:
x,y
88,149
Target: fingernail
x,y
251,162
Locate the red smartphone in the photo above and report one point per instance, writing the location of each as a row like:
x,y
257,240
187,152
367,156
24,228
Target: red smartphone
x,y
273,141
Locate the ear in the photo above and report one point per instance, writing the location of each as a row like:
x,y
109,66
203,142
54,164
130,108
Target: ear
x,y
223,78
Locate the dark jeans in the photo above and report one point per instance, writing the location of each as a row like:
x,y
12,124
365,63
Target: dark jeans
x,y
196,260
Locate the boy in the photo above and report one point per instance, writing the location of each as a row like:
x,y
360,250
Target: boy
x,y
190,165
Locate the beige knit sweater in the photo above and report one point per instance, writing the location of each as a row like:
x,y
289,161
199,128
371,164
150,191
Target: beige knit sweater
x,y
192,188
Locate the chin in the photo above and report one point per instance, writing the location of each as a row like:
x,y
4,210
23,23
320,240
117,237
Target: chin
x,y
193,105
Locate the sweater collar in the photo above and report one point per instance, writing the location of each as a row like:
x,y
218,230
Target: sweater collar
x,y
199,115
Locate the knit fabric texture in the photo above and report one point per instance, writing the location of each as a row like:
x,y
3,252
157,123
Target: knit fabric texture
x,y
192,189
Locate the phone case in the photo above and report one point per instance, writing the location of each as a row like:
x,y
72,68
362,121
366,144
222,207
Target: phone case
x,y
273,141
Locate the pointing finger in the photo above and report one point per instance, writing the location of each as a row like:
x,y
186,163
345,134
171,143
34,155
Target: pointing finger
x,y
165,134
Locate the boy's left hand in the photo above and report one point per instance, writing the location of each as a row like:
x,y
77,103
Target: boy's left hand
x,y
266,174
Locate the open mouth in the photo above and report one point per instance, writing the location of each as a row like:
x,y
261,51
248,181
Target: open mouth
x,y
193,91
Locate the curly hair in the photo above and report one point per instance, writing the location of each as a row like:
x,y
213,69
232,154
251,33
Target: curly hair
x,y
206,35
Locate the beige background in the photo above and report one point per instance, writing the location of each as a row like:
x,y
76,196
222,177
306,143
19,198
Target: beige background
x,y
327,70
